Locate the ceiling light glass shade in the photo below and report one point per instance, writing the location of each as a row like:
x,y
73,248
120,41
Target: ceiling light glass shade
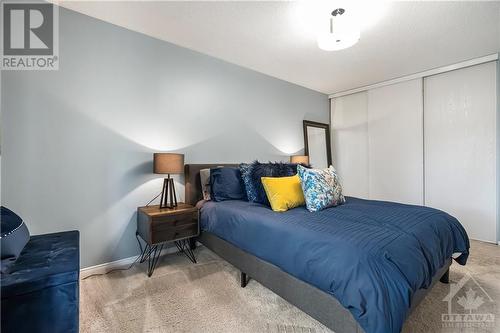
x,y
339,32
334,42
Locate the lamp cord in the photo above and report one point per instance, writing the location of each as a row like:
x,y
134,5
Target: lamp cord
x,y
150,201
136,259
132,264
114,270
121,269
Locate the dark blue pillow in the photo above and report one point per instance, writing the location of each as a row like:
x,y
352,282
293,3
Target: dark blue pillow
x,y
226,184
14,236
252,173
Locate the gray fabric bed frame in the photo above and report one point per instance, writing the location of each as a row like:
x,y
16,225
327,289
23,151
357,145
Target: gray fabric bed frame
x,y
318,304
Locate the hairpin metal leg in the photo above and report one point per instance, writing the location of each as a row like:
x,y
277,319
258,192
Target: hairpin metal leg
x,y
153,260
144,252
151,253
183,247
192,243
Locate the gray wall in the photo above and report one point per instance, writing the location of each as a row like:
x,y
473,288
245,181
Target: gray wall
x,y
78,142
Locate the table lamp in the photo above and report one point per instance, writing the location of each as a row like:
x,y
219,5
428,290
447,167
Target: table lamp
x,y
299,159
168,163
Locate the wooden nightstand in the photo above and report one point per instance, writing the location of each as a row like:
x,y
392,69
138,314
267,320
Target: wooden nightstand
x,y
159,226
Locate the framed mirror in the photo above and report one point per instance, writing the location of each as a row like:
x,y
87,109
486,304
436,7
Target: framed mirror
x,y
317,144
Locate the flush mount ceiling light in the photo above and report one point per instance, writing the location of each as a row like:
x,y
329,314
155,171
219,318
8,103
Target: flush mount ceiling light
x,y
342,32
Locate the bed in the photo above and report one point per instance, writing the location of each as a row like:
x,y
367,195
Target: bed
x,y
360,267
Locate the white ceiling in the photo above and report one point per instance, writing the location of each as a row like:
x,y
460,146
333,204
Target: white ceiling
x,y
270,37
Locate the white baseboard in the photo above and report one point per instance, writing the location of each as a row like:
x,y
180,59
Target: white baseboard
x,y
484,241
122,263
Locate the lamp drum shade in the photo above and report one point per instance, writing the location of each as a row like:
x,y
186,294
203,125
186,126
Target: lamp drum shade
x,y
304,159
168,163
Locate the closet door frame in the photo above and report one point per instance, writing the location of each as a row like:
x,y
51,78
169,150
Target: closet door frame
x,y
498,147
422,75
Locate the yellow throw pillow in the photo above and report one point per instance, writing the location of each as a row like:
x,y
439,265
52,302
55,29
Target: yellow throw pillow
x,y
283,193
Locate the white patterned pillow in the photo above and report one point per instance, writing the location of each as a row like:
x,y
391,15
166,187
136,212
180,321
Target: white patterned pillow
x,y
321,188
205,183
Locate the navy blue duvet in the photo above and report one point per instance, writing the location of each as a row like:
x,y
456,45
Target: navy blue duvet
x,y
370,255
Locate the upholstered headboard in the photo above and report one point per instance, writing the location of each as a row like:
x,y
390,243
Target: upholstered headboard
x,y
193,182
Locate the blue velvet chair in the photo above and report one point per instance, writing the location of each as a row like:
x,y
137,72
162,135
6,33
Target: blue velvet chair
x,y
40,289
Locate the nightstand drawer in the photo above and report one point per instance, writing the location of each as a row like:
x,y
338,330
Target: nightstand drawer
x,y
170,221
164,234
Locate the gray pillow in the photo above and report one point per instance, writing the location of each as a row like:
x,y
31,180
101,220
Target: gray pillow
x,y
205,183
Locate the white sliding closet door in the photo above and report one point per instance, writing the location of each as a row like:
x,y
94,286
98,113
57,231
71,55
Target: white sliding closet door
x,y
395,143
460,147
349,117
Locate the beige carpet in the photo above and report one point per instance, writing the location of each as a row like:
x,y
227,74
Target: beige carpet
x,y
206,297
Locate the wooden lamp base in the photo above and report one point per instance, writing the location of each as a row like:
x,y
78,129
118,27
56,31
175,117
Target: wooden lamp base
x,y
168,197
